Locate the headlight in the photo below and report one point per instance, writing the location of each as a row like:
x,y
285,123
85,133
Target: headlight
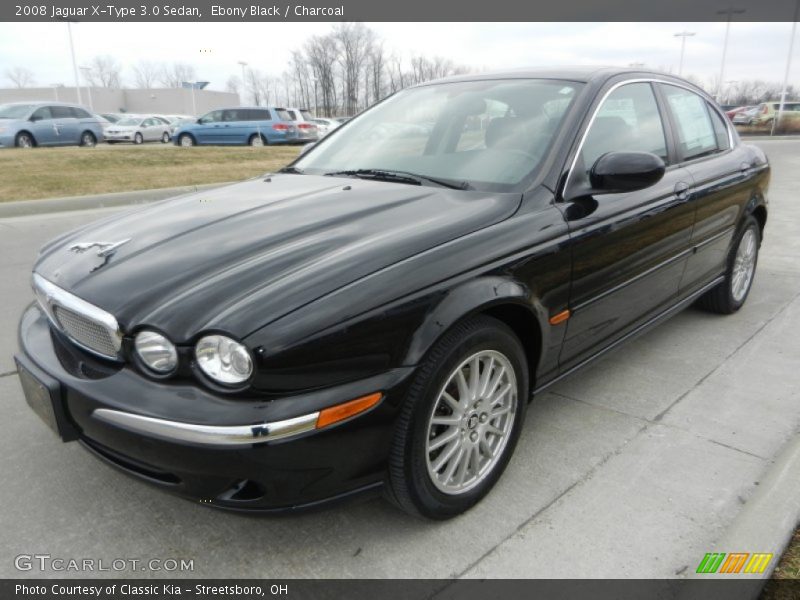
x,y
156,351
223,359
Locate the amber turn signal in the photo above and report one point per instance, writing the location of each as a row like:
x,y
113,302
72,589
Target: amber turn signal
x,y
560,317
340,412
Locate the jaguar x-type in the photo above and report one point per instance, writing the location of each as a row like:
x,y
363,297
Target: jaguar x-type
x,y
377,315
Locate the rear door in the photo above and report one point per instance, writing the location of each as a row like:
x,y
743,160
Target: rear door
x,y
236,126
629,250
720,171
66,125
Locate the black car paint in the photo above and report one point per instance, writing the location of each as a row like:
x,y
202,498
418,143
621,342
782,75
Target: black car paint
x,y
339,288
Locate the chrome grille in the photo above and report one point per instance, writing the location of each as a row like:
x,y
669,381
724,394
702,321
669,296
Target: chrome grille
x,y
86,332
87,325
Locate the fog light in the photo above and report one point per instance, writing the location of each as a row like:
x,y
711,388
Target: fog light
x,y
156,351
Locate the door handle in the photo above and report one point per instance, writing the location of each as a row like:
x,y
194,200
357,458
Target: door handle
x,y
744,167
682,190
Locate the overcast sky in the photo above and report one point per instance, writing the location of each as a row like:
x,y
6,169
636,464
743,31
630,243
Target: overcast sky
x,y
756,50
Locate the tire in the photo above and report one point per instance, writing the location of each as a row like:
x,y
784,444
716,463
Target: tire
x,y
419,445
138,138
186,140
24,140
730,295
88,140
165,138
257,140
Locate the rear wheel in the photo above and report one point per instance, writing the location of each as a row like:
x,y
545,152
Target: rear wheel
x,y
24,140
88,140
730,295
138,138
186,140
461,420
257,140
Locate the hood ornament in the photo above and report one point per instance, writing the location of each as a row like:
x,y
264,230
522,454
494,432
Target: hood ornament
x,y
104,249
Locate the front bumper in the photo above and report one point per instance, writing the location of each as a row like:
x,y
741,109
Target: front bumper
x,y
192,442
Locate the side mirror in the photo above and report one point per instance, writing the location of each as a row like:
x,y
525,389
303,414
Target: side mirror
x,y
200,121
618,172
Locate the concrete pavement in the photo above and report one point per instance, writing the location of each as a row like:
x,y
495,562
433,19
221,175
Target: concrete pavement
x,y
634,467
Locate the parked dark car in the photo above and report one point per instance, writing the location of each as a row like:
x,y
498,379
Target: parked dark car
x,y
377,315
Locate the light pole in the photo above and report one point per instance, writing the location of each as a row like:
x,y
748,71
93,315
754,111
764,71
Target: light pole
x,y
86,71
683,35
788,66
55,89
728,85
74,63
243,64
729,12
314,79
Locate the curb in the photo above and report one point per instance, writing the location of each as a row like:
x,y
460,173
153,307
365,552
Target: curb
x,y
35,207
769,518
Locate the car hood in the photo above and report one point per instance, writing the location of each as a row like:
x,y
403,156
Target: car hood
x,y
238,257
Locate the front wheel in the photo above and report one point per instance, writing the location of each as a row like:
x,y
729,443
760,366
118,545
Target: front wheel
x,y
138,138
730,295
461,420
165,138
186,140
24,140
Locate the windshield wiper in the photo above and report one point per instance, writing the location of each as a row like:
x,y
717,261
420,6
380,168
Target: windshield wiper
x,y
292,170
399,177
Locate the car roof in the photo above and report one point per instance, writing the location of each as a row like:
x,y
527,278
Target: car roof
x,y
582,74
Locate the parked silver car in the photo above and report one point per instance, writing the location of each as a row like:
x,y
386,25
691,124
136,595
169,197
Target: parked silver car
x,y
307,130
325,126
139,129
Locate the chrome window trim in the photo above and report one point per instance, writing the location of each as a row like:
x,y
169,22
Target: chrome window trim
x,y
208,435
610,91
50,295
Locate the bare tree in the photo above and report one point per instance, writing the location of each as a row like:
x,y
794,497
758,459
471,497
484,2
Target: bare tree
x,y
20,77
355,41
321,55
105,72
146,73
173,76
233,85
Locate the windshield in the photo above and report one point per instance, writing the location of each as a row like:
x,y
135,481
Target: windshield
x,y
489,134
15,111
129,121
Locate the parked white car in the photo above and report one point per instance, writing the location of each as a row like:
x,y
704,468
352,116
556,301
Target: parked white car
x,y
139,129
325,126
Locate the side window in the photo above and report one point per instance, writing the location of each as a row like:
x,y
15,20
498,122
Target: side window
x,y
231,115
212,117
628,121
79,113
41,113
283,114
720,129
695,131
260,115
61,112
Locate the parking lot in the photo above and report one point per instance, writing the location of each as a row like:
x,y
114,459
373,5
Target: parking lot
x,y
634,467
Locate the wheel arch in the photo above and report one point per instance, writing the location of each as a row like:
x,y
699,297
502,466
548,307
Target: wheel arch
x,y
503,299
26,132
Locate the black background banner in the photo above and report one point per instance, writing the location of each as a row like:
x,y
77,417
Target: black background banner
x,y
407,10
732,588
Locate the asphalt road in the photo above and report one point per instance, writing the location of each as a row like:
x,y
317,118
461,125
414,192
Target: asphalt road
x,y
634,467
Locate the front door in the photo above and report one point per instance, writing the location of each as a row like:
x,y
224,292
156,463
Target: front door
x,y
628,249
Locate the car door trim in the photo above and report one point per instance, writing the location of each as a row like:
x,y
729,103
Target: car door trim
x,y
677,307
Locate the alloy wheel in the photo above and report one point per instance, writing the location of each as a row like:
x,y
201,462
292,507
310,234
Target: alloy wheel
x,y
471,422
744,265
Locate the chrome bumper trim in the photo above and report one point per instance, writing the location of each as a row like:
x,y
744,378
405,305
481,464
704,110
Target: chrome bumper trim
x,y
211,435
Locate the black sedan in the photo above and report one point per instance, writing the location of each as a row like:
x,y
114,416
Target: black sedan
x,y
377,315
